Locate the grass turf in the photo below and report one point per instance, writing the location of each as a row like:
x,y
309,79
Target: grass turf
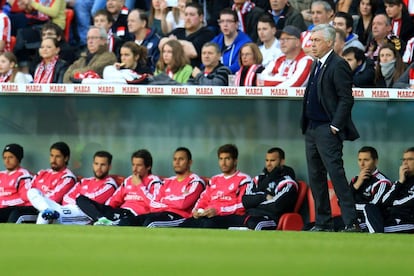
x,y
86,250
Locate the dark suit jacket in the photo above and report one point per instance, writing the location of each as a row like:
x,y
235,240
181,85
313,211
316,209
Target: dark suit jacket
x,y
335,95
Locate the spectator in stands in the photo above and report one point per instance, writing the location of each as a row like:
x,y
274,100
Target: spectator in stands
x,y
406,80
173,62
409,52
175,17
363,26
363,68
14,181
132,198
214,72
322,13
389,67
193,35
284,14
157,15
132,67
230,39
177,195
213,8
119,12
382,34
100,187
96,57
144,36
220,205
399,200
291,69
84,10
103,19
30,22
51,69
271,194
368,189
5,32
340,38
270,47
345,22
250,60
9,71
401,23
248,15
54,182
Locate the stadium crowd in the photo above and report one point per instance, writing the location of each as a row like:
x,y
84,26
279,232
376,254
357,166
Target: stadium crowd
x,y
229,200
162,41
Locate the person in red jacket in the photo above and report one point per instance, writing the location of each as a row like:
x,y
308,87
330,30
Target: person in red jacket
x,y
220,205
132,198
14,181
177,196
99,188
53,183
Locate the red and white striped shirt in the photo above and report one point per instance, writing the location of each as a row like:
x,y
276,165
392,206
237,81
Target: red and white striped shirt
x,y
13,187
136,198
5,30
54,184
224,194
97,189
288,73
178,196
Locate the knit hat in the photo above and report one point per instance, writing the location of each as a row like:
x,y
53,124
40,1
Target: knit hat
x,y
16,149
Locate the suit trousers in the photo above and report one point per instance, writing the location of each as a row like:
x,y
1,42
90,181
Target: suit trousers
x,y
324,155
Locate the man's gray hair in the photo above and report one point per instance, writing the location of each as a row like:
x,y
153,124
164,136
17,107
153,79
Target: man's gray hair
x,y
102,33
214,45
328,31
326,6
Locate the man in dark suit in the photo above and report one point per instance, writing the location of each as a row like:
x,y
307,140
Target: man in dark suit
x,y
326,123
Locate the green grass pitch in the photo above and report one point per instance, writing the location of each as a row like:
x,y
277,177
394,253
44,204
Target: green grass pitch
x,y
85,250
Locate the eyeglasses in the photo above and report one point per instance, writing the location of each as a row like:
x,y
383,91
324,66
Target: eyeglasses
x,y
407,159
225,21
286,39
93,37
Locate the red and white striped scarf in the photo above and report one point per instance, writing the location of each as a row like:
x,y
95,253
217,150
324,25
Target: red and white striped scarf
x,y
6,77
247,7
44,72
250,76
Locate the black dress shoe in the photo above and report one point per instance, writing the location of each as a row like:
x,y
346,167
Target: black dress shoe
x,y
352,228
321,229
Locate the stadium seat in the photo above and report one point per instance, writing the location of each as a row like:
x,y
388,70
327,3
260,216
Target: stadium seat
x,y
293,221
118,179
335,209
12,42
69,17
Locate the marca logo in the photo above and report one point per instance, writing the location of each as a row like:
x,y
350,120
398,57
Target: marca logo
x,y
405,94
380,94
10,88
106,89
57,88
278,92
33,88
300,92
155,90
358,93
254,91
204,91
229,91
81,89
130,89
179,91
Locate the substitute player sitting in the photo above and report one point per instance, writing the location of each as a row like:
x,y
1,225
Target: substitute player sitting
x,y
220,205
99,188
132,198
177,196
